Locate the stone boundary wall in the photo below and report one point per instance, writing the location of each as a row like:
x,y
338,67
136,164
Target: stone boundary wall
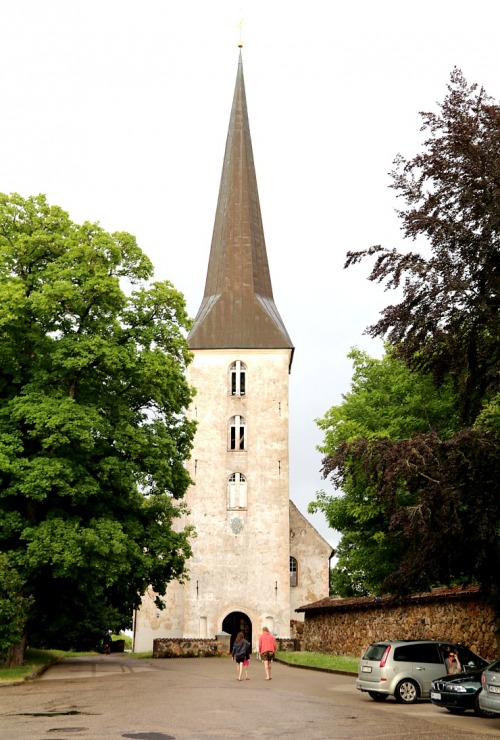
x,y
348,631
297,633
183,647
287,644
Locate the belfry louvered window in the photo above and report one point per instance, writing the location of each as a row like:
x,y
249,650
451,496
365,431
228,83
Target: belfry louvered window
x,y
237,379
237,491
293,572
237,439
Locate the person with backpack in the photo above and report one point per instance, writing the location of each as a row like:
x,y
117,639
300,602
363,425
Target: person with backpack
x,y
241,654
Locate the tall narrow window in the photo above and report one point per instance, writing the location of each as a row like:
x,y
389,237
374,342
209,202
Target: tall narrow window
x,y
236,491
237,433
237,376
293,572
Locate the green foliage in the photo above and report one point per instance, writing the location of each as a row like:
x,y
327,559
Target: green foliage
x,y
93,433
488,418
126,638
386,401
14,606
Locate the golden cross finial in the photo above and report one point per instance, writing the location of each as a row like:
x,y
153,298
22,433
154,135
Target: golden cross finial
x,y
240,26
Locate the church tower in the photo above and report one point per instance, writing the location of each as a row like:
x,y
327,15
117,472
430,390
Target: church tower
x,y
240,574
239,465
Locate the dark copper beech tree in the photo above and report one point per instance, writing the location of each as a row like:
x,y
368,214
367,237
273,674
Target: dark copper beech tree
x,y
448,321
440,491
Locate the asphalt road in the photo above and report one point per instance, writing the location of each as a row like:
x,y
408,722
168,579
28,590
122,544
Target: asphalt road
x,y
116,697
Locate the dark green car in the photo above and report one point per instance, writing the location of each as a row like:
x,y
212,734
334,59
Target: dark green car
x,y
459,693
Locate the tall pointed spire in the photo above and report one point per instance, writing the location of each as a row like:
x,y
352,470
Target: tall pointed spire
x,y
238,309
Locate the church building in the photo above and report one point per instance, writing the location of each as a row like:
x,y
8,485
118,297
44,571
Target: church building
x,y
256,558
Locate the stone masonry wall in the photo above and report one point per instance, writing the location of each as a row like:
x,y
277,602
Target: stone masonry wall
x,y
180,647
349,632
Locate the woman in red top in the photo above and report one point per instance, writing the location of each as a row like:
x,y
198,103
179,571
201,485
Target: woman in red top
x,y
267,648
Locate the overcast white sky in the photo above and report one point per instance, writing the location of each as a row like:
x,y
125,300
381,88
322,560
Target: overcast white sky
x,y
118,112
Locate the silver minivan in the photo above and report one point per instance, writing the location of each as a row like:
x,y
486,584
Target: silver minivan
x,y
405,669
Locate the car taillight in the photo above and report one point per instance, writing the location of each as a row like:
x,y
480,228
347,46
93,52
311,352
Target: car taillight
x,y
483,680
385,656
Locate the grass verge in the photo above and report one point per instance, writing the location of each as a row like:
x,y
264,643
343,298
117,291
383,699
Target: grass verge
x,y
320,660
141,656
33,660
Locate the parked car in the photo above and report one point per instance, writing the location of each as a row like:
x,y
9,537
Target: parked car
x,y
459,693
489,698
405,669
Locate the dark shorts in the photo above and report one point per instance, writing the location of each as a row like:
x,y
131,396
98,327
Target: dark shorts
x,y
268,655
240,659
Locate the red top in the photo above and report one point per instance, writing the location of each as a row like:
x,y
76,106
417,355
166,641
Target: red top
x,y
267,642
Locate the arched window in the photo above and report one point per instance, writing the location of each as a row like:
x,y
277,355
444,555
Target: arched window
x,y
293,572
237,439
237,379
237,491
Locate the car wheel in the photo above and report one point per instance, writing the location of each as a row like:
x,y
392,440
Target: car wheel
x,y
455,710
482,712
377,696
406,691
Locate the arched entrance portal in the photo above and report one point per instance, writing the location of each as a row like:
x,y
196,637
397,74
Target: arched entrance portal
x,y
237,622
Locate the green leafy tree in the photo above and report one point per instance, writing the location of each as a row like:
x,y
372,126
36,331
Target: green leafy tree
x,y
387,401
93,433
14,607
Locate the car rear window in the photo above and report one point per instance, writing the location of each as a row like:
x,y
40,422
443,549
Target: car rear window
x,y
374,652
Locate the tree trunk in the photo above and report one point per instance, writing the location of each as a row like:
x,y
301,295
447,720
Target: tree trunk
x,y
15,655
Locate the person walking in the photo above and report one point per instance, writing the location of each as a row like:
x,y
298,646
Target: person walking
x,y
267,648
106,643
246,662
241,653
